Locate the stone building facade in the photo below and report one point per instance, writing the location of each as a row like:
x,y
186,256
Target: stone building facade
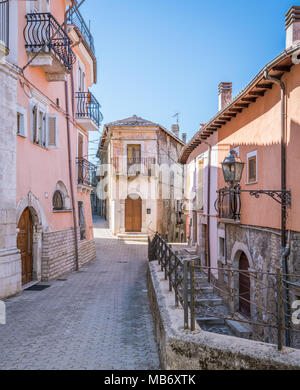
x,y
47,112
141,182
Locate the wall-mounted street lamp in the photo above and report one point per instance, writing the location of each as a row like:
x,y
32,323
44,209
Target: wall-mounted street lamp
x,y
232,167
229,206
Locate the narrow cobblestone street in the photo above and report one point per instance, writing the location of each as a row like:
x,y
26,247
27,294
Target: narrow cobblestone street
x,y
97,318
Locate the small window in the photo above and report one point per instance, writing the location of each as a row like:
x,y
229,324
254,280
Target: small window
x,y
81,221
252,167
52,131
58,201
20,124
221,247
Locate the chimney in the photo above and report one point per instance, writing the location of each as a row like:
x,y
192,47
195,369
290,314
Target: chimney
x,y
175,130
225,95
292,26
184,136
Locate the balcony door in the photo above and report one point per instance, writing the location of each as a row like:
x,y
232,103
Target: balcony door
x,y
133,155
133,214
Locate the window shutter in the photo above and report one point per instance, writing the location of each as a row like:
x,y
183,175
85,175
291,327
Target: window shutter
x,y
52,131
34,124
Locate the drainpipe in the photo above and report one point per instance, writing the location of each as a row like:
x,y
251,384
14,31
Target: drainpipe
x,y
208,210
70,162
284,249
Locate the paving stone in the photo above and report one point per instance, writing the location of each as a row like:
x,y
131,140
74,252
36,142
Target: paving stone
x,y
98,319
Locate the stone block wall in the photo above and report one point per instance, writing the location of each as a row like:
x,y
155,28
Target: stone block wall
x,y
10,265
181,349
263,250
58,253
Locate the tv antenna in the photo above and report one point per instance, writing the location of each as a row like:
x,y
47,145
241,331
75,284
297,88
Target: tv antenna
x,y
177,117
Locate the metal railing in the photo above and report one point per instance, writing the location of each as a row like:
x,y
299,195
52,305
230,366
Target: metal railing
x,y
4,23
180,274
228,204
133,166
86,172
242,303
88,107
43,33
75,18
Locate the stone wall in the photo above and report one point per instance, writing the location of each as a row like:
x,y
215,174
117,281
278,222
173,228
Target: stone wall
x,y
58,253
200,350
10,264
263,250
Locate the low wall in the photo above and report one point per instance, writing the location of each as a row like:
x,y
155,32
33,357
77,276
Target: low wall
x,y
184,350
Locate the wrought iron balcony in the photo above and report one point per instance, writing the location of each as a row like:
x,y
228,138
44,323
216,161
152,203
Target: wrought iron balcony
x,y
4,27
86,173
75,18
43,33
228,204
133,166
88,109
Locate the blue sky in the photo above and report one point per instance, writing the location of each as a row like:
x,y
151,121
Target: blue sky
x,y
157,57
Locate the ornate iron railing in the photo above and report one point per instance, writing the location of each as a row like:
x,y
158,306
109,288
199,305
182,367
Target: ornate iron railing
x,y
228,204
75,17
237,301
4,23
86,173
43,33
133,166
88,107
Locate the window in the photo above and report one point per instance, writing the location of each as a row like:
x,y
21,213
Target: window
x,y
81,221
44,128
252,167
133,155
200,185
21,121
221,247
58,201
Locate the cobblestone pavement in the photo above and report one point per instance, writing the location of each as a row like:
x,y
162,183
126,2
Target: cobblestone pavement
x,y
97,319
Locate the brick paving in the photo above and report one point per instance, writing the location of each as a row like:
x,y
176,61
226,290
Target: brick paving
x,y
97,319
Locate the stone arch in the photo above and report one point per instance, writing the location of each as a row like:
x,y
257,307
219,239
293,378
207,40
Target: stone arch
x,y
236,252
39,226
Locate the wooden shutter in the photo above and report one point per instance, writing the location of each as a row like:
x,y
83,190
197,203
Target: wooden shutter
x,y
52,131
34,124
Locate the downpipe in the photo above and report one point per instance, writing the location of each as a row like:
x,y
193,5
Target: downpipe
x,y
285,250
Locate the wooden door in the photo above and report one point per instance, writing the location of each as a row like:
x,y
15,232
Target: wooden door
x,y
24,243
244,286
133,215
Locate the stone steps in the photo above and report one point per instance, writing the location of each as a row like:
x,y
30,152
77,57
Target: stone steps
x,y
239,329
133,237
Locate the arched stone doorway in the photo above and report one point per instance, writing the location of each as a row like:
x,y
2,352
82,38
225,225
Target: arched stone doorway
x,y
244,286
133,214
39,224
25,245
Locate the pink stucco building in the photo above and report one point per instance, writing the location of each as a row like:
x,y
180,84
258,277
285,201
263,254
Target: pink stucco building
x,y
54,55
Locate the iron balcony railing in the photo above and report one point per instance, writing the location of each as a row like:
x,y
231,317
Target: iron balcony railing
x,y
133,166
4,23
86,173
75,18
43,33
88,107
228,204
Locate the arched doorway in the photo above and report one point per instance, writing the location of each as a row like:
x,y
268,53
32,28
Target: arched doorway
x,y
25,245
244,286
133,214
